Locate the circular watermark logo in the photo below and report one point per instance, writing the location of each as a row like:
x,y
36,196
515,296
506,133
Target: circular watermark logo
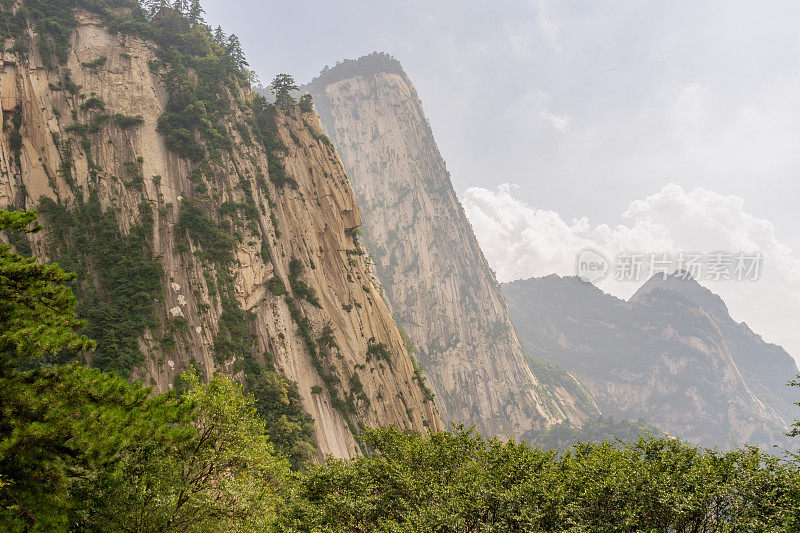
x,y
592,266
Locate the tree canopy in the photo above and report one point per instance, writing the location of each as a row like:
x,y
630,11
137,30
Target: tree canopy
x,y
281,87
37,314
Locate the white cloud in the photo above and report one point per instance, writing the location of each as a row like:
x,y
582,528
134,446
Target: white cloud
x,y
521,241
535,106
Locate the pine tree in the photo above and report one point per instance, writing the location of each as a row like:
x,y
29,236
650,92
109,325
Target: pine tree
x,y
281,87
195,12
154,7
306,103
179,6
37,315
219,36
234,50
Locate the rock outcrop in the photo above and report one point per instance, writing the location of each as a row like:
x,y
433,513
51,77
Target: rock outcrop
x,y
340,344
435,276
671,355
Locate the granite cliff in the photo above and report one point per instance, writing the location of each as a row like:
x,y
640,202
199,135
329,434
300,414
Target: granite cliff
x,y
435,276
208,227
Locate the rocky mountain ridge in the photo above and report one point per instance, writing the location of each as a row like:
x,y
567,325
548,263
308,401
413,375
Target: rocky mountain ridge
x,y
426,256
258,261
671,355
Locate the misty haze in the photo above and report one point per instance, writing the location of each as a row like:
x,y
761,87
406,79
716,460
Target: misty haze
x,y
520,266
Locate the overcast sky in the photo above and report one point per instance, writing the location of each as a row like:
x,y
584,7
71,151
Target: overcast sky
x,y
662,120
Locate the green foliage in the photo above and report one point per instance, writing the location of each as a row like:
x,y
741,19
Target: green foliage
x,y
281,87
225,477
306,104
15,138
78,128
218,244
15,143
98,122
37,314
234,340
411,348
460,482
277,172
93,102
125,122
244,133
18,239
95,63
279,404
318,135
84,450
378,350
62,431
275,286
196,103
265,124
135,177
118,280
300,288
553,377
71,87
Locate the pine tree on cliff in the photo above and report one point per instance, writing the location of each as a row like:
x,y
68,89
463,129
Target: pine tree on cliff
x,y
195,12
281,87
234,51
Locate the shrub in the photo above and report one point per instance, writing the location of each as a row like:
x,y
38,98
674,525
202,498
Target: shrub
x,y
93,102
95,63
275,286
125,122
299,287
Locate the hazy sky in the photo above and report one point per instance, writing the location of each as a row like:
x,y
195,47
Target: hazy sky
x,y
588,109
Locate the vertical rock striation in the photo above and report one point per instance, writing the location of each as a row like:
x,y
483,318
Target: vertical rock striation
x,y
436,279
294,240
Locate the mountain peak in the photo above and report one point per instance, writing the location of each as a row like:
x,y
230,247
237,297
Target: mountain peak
x,y
683,283
374,63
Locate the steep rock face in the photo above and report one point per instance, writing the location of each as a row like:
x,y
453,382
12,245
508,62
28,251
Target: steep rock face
x,y
671,355
426,256
130,171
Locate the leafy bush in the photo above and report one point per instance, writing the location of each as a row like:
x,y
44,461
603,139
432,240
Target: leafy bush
x,y
98,123
84,450
460,482
81,129
279,404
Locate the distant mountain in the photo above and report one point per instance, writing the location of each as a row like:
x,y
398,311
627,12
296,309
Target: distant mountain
x,y
428,260
671,355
